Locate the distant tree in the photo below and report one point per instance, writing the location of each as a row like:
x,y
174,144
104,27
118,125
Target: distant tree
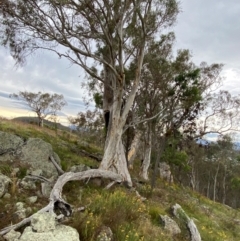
x,y
43,104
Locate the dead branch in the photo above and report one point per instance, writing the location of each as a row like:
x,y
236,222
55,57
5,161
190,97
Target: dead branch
x,y
59,169
40,178
56,200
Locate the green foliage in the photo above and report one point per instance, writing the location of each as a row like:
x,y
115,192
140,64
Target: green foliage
x,y
155,212
190,86
174,156
22,172
235,182
118,210
128,232
5,169
145,190
98,99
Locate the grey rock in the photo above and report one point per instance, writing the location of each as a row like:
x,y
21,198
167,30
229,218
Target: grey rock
x,y
7,196
43,222
32,199
195,235
19,205
9,143
170,225
36,153
7,206
105,234
4,184
21,212
37,172
28,210
177,209
26,183
179,213
44,228
12,235
19,215
79,168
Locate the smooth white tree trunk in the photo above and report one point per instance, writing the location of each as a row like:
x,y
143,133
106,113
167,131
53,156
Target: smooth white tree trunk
x,y
133,149
215,183
114,158
147,156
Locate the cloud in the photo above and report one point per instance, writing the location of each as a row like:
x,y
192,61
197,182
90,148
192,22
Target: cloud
x,y
210,29
43,72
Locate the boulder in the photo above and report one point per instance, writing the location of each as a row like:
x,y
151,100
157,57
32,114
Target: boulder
x,y
32,199
21,212
4,183
9,143
28,184
12,236
7,196
170,225
44,228
36,153
195,235
180,214
43,222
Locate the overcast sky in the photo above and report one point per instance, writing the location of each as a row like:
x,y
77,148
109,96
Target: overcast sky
x,y
209,28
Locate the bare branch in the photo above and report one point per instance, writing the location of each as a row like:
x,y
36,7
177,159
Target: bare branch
x,y
59,169
56,200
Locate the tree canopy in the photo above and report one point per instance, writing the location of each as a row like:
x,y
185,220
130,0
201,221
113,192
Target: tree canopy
x,y
43,104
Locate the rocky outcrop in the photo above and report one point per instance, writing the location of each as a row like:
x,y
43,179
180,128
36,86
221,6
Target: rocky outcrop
x,y
12,236
9,144
170,225
44,228
4,183
180,214
34,153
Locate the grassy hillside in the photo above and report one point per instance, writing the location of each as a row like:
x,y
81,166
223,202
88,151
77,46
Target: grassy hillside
x,y
119,208
47,123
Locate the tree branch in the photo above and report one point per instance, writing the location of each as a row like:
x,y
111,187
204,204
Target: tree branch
x,y
56,200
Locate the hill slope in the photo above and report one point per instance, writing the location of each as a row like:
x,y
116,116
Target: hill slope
x,y
119,208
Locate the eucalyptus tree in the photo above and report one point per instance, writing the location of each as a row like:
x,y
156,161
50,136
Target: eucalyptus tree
x,y
43,104
91,33
170,95
221,114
